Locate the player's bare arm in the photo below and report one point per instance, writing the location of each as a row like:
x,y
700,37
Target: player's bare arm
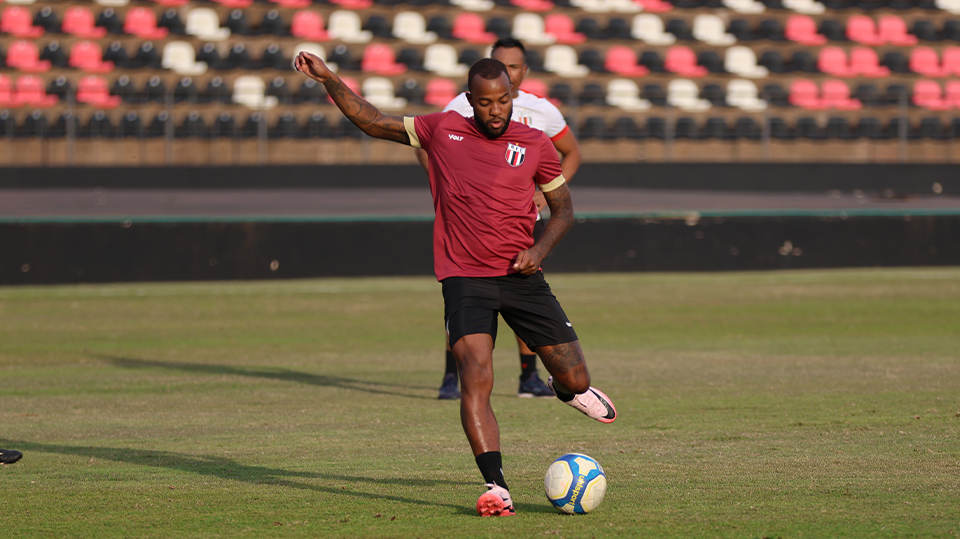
x,y
561,219
570,156
367,117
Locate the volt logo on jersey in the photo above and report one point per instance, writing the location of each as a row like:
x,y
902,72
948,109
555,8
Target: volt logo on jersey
x,y
515,154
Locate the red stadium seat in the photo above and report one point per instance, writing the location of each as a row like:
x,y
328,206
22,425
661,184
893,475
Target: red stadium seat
x,y
952,94
683,61
833,61
924,61
18,22
805,94
864,61
533,5
470,27
863,30
93,90
142,22
309,25
929,95
803,29
535,86
380,59
951,60
562,27
439,92
293,4
623,61
655,6
172,3
25,56
7,97
893,30
79,21
235,4
88,56
30,92
836,95
353,4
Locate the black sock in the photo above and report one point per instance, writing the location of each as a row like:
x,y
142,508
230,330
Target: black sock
x,y
561,394
528,365
491,466
451,364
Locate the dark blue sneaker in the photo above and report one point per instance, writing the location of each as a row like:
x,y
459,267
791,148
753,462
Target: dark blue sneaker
x,y
533,386
9,456
448,390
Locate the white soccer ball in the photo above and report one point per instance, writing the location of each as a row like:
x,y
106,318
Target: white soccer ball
x,y
575,483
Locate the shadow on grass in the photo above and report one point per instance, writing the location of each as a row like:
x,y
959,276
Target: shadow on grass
x,y
285,375
224,468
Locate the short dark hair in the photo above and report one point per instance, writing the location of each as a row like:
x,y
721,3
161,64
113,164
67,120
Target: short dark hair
x,y
487,68
509,43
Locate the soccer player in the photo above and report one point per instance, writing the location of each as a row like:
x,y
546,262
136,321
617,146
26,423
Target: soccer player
x,y
9,456
541,114
483,173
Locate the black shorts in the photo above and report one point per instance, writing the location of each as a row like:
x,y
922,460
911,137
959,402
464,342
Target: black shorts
x,y
471,305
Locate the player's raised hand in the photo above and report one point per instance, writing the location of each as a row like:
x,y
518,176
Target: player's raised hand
x,y
527,262
312,66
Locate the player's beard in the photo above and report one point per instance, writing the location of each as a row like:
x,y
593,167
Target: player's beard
x,y
490,132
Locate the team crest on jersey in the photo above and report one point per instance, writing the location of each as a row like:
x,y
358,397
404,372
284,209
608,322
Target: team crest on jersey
x,y
515,154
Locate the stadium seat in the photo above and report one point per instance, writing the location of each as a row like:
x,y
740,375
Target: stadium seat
x,y
356,5
593,127
79,21
652,61
649,29
411,27
864,62
622,60
929,95
142,22
747,128
833,61
868,95
48,19
950,6
204,23
30,92
55,55
562,28
742,61
683,61
380,93
773,61
741,30
655,6
112,3
273,57
25,56
172,22
593,6
238,58
439,92
109,19
301,4
895,62
117,54
716,128
179,57
380,59
710,29
807,7
770,29
474,5
808,128
562,60
617,28
273,23
744,95
346,26
18,22
441,59
924,61
236,22
309,25
838,128
685,95
750,7
379,26
862,29
836,95
8,99
592,94
802,29
533,5
591,58
249,90
712,61
536,87
529,28
412,91
471,28
93,90
686,129
893,30
951,60
805,94
624,94
952,93
680,29
625,127
88,56
924,30
833,30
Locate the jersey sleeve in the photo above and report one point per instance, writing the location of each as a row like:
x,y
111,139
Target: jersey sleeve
x,y
556,126
460,105
420,128
549,174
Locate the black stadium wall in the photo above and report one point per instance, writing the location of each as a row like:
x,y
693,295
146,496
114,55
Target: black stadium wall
x,y
65,251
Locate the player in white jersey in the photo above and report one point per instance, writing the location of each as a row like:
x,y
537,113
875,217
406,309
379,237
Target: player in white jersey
x,y
539,113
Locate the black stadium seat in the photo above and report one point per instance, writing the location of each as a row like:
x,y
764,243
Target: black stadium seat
x,y
742,30
925,31
626,127
618,28
590,28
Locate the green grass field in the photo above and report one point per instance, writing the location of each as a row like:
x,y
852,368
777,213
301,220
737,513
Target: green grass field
x,y
791,404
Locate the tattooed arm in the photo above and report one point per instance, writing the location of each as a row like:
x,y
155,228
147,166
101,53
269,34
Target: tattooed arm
x,y
561,219
370,120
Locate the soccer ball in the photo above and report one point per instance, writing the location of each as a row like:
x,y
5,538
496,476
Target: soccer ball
x,y
575,483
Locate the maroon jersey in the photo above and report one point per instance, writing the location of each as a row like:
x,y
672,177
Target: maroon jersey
x,y
482,191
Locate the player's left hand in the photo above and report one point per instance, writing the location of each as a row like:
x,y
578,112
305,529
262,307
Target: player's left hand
x,y
527,262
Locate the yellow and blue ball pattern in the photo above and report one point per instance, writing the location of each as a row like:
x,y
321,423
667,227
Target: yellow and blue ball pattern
x,y
575,483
